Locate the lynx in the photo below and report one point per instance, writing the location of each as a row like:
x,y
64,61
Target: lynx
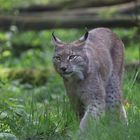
x,y
92,68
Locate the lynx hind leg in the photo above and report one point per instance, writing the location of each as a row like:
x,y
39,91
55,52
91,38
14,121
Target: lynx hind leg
x,y
114,99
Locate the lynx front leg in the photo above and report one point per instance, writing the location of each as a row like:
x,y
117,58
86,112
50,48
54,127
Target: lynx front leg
x,y
94,112
95,104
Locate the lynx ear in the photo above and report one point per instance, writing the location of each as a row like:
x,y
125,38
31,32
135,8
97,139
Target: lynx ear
x,y
84,37
82,40
56,41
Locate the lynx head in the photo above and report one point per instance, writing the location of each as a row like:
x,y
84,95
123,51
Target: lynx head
x,y
70,59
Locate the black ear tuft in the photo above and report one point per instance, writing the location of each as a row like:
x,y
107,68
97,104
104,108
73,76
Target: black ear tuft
x,y
54,36
56,41
86,35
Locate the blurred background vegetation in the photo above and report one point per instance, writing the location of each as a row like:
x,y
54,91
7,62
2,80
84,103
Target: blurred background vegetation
x,y
33,102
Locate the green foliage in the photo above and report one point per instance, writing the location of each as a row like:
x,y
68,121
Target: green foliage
x,y
130,38
135,48
34,112
8,5
41,111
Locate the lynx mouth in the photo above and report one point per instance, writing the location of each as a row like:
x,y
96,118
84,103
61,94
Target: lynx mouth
x,y
67,74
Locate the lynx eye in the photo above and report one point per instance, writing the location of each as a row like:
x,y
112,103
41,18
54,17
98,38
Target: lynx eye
x,y
72,57
58,58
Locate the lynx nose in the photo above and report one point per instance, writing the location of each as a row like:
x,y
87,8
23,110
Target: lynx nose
x,y
63,69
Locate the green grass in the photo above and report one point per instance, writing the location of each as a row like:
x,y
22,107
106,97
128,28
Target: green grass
x,y
43,112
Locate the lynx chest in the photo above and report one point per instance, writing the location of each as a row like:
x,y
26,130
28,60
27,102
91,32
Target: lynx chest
x,y
79,91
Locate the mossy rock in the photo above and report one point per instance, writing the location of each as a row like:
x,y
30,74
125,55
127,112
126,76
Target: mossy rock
x,y
26,75
7,136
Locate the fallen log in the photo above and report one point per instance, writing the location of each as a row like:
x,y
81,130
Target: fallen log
x,y
71,4
54,20
133,65
30,76
92,3
39,77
